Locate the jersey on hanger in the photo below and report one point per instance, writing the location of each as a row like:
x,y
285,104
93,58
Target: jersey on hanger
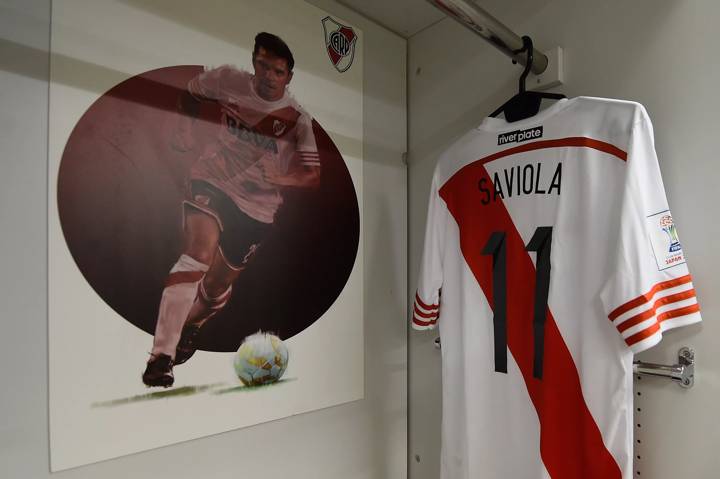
x,y
550,258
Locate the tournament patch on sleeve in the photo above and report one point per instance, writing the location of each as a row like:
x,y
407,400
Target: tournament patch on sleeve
x,y
664,239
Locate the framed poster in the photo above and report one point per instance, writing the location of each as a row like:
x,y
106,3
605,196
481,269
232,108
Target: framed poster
x,y
205,205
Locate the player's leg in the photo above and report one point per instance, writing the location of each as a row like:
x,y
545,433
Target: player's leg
x,y
239,242
213,295
201,235
215,289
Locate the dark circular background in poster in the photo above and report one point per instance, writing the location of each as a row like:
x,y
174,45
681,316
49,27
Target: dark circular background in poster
x,y
120,191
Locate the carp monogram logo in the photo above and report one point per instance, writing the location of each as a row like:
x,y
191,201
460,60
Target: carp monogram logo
x,y
278,127
340,43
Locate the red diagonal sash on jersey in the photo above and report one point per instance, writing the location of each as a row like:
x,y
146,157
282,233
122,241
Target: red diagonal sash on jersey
x,y
571,445
278,122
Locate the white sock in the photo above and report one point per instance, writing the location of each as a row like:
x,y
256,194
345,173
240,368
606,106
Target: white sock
x,y
178,296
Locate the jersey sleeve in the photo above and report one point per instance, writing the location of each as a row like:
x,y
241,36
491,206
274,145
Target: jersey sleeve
x,y
207,85
426,307
306,146
650,289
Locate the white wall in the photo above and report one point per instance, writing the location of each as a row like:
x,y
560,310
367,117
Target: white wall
x,y
660,53
364,440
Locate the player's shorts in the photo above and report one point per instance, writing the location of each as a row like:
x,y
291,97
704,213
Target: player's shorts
x,y
240,235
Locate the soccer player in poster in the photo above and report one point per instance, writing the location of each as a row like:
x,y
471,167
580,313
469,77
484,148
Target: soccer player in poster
x,y
264,143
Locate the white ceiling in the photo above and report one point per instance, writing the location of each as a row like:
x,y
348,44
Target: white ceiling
x,y
404,17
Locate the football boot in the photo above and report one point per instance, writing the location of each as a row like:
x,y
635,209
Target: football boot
x,y
188,343
159,371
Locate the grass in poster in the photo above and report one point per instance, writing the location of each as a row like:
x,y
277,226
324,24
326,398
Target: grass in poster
x,y
166,393
243,388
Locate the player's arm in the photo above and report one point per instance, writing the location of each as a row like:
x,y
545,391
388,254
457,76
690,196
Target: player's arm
x,y
303,176
305,169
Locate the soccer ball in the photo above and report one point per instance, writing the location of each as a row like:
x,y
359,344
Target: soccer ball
x,y
261,359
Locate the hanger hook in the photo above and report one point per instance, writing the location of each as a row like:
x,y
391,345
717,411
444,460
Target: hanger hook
x,y
527,47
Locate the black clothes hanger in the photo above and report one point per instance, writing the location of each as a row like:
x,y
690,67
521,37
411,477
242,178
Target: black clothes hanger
x,y
526,103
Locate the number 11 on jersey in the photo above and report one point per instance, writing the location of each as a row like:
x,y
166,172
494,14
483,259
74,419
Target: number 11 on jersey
x,y
496,246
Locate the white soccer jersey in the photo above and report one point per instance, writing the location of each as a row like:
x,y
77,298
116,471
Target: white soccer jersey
x,y
552,243
253,134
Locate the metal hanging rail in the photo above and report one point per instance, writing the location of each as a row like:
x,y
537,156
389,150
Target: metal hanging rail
x,y
683,372
501,37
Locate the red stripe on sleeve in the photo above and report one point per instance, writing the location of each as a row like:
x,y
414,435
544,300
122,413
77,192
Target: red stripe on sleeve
x,y
639,318
423,305
674,313
644,334
655,327
420,314
420,322
644,298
